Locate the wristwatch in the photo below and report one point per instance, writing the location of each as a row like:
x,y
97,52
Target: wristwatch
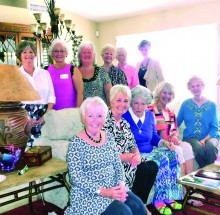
x,y
98,191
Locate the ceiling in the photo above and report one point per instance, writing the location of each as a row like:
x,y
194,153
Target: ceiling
x,y
103,10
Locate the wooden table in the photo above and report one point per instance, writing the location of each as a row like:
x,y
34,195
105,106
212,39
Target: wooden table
x,y
207,192
54,169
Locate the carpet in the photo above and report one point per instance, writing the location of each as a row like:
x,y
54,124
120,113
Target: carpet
x,y
41,209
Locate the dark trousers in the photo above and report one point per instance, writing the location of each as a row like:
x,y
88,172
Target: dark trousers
x,y
144,179
132,206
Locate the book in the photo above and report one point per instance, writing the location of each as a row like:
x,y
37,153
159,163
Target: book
x,y
211,183
208,174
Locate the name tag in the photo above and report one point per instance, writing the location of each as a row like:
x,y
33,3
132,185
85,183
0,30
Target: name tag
x,y
64,76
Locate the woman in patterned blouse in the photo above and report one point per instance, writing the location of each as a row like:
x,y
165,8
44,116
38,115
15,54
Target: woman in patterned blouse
x,y
200,116
96,81
96,173
117,75
140,176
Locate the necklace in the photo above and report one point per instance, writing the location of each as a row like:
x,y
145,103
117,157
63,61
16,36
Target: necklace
x,y
145,67
93,140
139,127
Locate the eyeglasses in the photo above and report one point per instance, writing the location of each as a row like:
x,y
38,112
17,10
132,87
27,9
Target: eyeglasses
x,y
59,51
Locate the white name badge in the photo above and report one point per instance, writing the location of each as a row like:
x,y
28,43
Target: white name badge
x,y
64,76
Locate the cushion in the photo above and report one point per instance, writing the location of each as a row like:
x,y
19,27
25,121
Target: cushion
x,y
62,124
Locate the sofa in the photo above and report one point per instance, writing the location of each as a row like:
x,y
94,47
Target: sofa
x,y
59,127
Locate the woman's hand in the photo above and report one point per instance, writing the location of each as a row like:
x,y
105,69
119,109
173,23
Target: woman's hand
x,y
170,145
35,123
118,193
203,142
174,139
135,160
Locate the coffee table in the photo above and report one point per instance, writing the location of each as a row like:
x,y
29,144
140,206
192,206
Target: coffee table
x,y
54,170
207,192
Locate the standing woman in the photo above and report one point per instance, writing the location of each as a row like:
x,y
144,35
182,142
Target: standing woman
x,y
116,74
139,175
40,79
200,116
96,82
67,80
149,71
96,173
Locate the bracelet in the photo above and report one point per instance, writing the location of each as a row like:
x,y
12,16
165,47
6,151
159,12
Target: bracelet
x,y
98,191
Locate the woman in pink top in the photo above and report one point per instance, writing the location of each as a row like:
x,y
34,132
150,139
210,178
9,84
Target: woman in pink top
x,y
130,72
67,79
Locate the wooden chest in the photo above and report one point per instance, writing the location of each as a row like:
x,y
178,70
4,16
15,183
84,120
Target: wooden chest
x,y
37,155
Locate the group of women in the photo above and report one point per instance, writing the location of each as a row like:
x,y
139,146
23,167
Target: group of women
x,y
121,153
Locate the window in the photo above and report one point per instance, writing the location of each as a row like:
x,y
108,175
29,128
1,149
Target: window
x,y
182,53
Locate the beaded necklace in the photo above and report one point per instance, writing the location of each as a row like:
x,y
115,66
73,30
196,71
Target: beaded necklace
x,y
93,140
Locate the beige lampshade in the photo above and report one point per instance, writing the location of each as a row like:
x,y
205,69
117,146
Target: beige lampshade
x,y
14,87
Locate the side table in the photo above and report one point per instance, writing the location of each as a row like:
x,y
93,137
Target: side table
x,y
207,192
54,169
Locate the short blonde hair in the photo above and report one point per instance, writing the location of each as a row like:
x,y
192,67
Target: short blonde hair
x,y
108,46
119,88
193,78
89,102
163,86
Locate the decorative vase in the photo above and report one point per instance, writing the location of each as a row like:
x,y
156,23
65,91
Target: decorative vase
x,y
13,125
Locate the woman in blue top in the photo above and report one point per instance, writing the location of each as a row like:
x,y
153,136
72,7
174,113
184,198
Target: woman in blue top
x,y
152,147
200,116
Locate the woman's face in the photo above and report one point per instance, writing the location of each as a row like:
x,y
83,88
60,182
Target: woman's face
x,y
122,57
28,56
59,53
139,106
108,56
196,87
120,104
87,56
94,119
165,97
145,51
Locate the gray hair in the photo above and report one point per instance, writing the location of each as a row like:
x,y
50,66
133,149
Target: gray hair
x,y
89,102
141,92
54,43
119,88
108,46
84,45
120,50
163,86
193,78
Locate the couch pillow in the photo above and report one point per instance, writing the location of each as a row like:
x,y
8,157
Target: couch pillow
x,y
62,124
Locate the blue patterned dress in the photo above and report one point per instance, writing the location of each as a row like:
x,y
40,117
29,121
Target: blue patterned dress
x,y
92,167
166,186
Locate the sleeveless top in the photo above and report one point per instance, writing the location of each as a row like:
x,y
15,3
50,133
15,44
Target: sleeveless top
x,y
64,89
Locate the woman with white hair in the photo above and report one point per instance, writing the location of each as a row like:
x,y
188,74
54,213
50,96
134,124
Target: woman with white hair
x,y
153,147
200,116
139,176
67,80
96,173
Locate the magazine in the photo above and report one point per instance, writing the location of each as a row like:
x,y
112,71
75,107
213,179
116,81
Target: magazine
x,y
211,183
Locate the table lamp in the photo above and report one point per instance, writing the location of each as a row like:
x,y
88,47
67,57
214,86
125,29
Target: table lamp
x,y
13,118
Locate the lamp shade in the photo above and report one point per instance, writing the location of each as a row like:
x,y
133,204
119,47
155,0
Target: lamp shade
x,y
14,86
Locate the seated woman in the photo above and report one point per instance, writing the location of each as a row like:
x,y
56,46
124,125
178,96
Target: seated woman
x,y
152,147
139,175
166,125
200,116
96,173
